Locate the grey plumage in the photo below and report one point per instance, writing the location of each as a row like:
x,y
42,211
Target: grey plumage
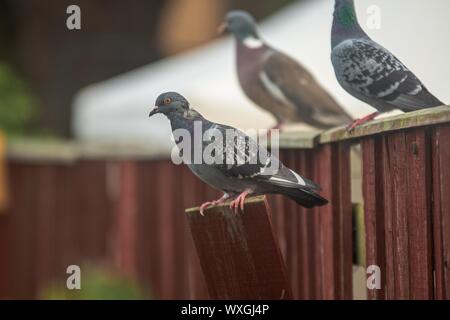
x,y
244,166
370,72
278,83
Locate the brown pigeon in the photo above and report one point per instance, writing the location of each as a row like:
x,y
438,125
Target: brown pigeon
x,y
278,83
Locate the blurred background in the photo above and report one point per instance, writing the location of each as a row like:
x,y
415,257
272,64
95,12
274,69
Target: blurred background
x,y
44,65
81,157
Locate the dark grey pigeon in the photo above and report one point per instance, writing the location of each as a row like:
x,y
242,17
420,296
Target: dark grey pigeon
x,y
371,73
278,83
244,168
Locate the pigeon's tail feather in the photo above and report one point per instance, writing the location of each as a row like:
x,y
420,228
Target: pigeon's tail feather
x,y
312,185
305,198
430,100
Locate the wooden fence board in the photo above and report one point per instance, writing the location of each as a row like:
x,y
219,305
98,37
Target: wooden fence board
x,y
397,176
291,213
304,254
147,235
193,196
419,217
166,183
345,223
373,193
23,254
309,258
327,232
441,210
125,227
397,193
45,226
180,244
390,231
334,223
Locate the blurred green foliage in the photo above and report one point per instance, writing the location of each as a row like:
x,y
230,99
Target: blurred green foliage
x,y
17,106
96,284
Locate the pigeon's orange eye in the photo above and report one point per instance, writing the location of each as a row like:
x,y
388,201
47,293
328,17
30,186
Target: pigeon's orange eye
x,y
167,100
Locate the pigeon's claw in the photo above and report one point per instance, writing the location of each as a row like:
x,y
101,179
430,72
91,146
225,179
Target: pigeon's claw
x,y
213,203
239,202
233,204
352,126
243,196
204,206
361,121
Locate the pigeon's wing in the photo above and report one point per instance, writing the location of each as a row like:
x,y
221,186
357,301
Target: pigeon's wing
x,y
373,71
245,159
290,82
238,155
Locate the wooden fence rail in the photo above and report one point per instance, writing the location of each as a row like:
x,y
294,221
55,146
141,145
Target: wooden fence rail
x,y
74,203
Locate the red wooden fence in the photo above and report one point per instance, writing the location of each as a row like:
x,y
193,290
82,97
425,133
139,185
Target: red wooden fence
x,y
406,173
316,243
128,212
407,234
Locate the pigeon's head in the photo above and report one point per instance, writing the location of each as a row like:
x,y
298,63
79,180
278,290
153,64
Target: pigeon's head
x,y
240,23
170,103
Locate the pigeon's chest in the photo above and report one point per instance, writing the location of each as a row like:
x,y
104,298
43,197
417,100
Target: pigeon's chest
x,y
249,65
350,63
358,64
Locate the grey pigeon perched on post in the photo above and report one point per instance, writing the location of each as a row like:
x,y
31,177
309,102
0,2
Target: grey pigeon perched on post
x,y
278,83
371,73
242,171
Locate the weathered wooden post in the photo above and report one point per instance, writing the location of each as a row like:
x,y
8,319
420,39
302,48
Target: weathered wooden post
x,y
239,254
441,209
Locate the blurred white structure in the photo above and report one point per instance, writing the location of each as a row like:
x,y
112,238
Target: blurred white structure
x,y
416,31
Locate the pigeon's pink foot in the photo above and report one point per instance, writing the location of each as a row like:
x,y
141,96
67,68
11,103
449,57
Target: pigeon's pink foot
x,y
212,203
204,206
361,121
234,205
239,202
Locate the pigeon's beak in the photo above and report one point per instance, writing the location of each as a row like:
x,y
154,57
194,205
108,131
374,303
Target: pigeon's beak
x,y
154,111
222,28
